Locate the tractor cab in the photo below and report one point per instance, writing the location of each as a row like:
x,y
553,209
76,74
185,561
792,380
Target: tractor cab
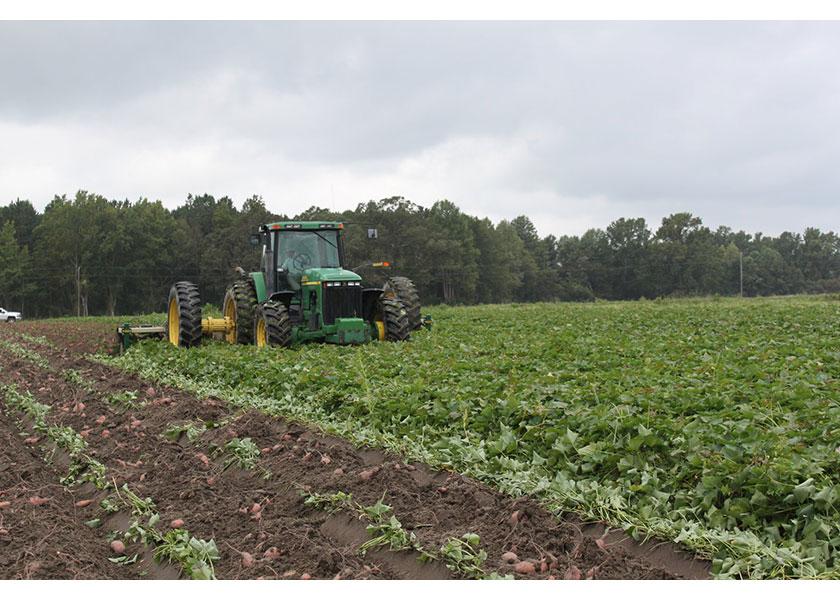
x,y
291,249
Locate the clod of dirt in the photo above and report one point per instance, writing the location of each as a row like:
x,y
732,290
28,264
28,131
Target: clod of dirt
x,y
338,471
247,560
572,573
266,450
32,568
510,557
117,547
176,523
325,460
256,507
273,553
150,391
524,568
443,489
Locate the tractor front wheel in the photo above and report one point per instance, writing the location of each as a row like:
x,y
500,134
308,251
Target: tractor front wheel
x,y
239,306
183,319
394,319
272,326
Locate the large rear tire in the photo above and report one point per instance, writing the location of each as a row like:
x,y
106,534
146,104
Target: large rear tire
x,y
239,305
183,320
272,326
405,290
394,319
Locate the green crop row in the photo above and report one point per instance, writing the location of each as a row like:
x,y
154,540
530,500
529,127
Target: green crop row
x,y
712,423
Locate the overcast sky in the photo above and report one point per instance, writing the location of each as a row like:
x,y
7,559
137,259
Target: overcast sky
x,y
573,124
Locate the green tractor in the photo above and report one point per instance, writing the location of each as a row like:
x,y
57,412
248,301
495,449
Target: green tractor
x,y
301,293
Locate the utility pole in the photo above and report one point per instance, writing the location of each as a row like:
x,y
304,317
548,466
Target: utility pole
x,y
741,270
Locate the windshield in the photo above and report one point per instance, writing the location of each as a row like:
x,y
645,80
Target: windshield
x,y
301,250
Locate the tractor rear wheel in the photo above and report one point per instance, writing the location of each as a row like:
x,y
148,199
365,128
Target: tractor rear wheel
x,y
183,321
394,319
239,306
405,290
272,326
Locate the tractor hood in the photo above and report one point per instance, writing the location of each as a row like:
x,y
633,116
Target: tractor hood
x,y
328,274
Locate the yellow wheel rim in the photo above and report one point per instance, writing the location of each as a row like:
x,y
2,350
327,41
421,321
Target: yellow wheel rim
x,y
174,322
230,312
380,330
260,336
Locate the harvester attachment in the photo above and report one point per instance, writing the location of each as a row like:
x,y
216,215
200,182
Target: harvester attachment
x,y
128,335
184,324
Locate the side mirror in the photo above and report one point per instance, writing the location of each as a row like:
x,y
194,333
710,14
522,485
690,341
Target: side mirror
x,y
372,234
256,239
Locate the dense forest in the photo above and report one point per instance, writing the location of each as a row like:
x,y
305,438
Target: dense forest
x,y
91,255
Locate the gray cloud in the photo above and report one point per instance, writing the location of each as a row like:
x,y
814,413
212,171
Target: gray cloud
x,y
572,123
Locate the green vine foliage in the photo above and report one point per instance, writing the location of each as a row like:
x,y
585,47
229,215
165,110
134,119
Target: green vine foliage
x,y
713,423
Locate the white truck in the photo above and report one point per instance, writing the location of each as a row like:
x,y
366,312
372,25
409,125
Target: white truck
x,y
9,317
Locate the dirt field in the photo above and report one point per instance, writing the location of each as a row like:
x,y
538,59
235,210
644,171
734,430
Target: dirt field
x,y
283,537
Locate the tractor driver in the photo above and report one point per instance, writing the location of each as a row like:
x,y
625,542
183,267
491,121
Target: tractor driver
x,y
297,259
292,272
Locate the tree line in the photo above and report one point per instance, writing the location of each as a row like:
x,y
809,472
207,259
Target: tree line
x,y
89,255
